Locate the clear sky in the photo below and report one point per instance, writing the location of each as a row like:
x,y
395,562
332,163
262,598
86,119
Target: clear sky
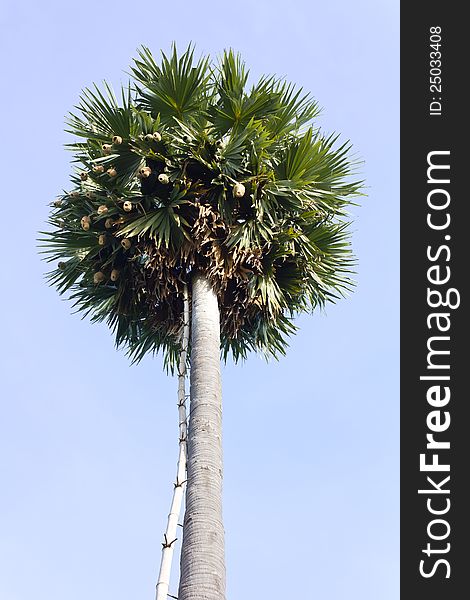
x,y
87,443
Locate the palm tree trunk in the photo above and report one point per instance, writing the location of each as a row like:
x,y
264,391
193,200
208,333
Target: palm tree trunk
x,y
202,575
163,582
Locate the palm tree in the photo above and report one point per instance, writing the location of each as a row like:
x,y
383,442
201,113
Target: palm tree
x,y
192,180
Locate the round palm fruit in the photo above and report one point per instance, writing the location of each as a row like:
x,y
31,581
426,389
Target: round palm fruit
x,y
127,206
238,190
163,178
126,243
114,275
108,223
98,277
111,172
74,194
98,169
107,148
157,137
58,203
85,223
102,239
145,172
90,195
102,209
117,139
83,176
149,137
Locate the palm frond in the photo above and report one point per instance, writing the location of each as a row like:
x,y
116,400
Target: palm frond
x,y
176,88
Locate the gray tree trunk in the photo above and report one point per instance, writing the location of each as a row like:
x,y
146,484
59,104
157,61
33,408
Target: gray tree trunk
x,y
202,575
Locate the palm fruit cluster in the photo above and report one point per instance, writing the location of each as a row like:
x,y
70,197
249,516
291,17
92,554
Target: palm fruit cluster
x,y
189,170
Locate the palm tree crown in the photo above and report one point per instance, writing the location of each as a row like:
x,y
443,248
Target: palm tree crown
x,y
192,171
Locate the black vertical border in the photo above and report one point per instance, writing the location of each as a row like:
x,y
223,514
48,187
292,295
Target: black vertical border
x,y
420,134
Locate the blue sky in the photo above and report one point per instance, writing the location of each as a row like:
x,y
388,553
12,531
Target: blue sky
x,y
88,444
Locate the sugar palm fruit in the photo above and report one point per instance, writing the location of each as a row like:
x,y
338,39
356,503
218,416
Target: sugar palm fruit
x,y
145,172
85,222
98,277
238,190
